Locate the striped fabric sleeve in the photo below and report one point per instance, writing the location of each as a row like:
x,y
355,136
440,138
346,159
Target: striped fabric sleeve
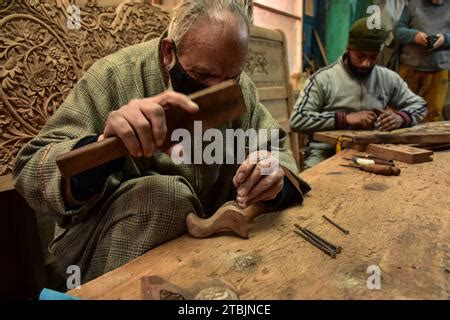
x,y
402,31
341,121
411,107
447,40
406,118
308,116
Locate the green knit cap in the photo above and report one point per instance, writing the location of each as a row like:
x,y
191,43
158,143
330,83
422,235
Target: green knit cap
x,y
364,39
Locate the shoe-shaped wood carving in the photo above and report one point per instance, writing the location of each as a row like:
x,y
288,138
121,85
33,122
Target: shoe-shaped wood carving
x,y
229,218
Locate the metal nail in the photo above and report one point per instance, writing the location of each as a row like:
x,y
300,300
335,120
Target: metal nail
x,y
319,239
345,231
326,250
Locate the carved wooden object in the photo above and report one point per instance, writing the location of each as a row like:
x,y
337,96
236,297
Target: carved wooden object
x,y
401,153
229,218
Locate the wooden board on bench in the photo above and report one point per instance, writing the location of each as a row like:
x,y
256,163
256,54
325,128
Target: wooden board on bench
x,y
401,153
429,133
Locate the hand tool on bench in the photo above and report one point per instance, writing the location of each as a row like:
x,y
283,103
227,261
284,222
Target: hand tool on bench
x,y
366,161
370,156
328,251
217,105
376,169
317,241
345,231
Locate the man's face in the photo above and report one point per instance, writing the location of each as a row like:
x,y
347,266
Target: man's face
x,y
437,2
362,63
211,52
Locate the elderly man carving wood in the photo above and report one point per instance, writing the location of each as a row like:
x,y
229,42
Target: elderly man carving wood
x,y
355,93
127,207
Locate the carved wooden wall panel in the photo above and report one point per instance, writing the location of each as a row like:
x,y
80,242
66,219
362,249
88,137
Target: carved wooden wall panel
x,y
265,62
41,59
267,65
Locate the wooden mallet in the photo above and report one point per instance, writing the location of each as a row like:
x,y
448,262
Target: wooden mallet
x,y
217,105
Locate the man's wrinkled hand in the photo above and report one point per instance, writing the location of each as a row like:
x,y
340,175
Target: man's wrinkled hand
x,y
259,178
141,124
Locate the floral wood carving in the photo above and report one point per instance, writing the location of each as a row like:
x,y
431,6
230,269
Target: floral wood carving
x,y
41,59
256,63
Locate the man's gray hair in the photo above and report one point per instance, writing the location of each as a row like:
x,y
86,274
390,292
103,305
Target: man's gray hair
x,y
187,13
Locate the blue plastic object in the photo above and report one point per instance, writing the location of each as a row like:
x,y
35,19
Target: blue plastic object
x,y
47,294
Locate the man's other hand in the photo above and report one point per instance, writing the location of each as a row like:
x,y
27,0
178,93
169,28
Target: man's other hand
x,y
362,120
389,120
141,124
259,178
439,42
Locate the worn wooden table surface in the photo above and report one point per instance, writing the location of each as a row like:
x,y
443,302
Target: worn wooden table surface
x,y
400,224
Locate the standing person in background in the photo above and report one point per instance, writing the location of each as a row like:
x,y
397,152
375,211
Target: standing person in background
x,y
424,29
391,11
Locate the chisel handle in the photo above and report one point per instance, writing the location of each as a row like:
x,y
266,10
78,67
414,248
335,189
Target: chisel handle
x,y
381,170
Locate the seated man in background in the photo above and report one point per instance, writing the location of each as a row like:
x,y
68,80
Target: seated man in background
x,y
123,209
424,31
355,93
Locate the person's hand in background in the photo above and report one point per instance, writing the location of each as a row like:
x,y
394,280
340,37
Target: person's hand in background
x,y
439,42
421,39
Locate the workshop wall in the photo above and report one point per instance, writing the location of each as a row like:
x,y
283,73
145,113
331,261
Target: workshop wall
x,y
340,16
287,17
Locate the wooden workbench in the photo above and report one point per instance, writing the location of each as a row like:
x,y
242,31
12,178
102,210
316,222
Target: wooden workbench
x,y
397,223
